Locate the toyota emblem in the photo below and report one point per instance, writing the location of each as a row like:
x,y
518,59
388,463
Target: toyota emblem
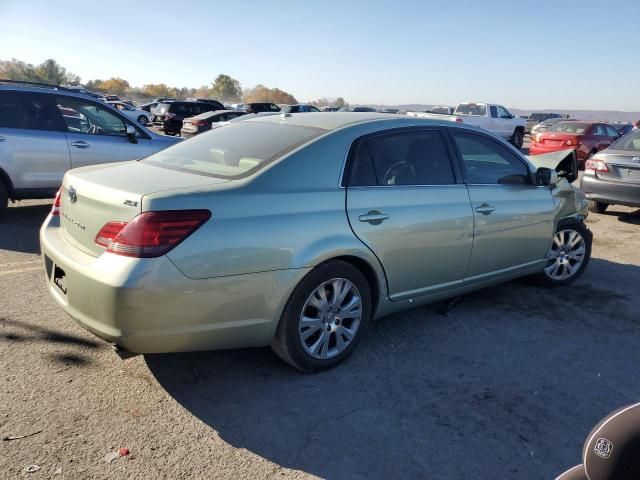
x,y
73,196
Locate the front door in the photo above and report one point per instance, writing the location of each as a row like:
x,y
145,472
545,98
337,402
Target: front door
x,y
513,218
406,204
96,134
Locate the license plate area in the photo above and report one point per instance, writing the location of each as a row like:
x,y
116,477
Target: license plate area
x,y
59,279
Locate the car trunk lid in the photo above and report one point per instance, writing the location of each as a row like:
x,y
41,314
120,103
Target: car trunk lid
x,y
94,196
559,140
622,166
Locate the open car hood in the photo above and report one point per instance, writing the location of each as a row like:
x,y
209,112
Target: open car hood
x,y
565,162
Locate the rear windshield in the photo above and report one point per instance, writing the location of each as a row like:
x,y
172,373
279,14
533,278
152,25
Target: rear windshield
x,y
570,127
471,109
236,150
631,142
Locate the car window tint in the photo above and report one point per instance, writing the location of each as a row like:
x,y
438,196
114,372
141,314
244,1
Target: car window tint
x,y
494,111
29,111
81,116
409,158
488,162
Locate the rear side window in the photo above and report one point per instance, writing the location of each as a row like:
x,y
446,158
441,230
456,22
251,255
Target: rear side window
x,y
488,162
403,158
28,111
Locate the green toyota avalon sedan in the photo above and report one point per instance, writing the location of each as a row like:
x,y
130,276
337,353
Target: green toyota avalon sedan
x,y
295,230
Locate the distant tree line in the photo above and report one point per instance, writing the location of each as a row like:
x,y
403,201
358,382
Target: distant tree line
x,y
223,87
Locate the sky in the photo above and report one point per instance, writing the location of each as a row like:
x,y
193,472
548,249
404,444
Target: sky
x,y
564,54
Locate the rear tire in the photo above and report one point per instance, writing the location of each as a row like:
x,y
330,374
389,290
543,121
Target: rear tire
x,y
597,207
4,198
325,318
517,139
568,256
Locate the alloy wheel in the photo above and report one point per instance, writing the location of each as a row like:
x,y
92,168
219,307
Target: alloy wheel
x,y
566,255
330,318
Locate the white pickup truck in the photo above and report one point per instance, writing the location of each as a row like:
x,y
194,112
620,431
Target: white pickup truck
x,y
494,118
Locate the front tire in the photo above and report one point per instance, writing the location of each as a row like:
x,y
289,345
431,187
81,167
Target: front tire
x,y
325,318
597,207
517,139
568,256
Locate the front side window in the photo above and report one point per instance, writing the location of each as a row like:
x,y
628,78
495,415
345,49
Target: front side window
x,y
488,162
494,111
611,132
503,113
403,158
81,116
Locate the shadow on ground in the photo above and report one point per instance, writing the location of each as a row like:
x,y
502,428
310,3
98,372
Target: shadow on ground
x,y
19,227
28,335
508,386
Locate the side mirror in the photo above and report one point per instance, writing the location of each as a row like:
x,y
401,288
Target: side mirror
x,y
546,177
131,133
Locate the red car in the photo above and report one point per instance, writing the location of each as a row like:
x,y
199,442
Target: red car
x,y
587,138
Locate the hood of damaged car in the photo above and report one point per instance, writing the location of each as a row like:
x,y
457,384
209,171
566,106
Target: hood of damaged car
x,y
565,162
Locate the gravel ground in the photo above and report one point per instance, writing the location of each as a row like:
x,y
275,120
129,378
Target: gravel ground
x,y
507,386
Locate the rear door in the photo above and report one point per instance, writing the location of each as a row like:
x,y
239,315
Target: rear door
x,y
33,147
405,202
96,134
513,218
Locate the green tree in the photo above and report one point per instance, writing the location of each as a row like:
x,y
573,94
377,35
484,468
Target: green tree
x,y
48,71
340,103
260,93
226,88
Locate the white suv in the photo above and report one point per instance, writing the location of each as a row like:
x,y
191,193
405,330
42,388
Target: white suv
x,y
46,130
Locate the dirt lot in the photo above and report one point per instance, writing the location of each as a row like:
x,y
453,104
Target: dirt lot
x,y
508,386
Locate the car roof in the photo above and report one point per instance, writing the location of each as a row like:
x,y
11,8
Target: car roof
x,y
336,120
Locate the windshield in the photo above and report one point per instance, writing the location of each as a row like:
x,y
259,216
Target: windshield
x,y
570,127
440,110
631,142
235,150
471,109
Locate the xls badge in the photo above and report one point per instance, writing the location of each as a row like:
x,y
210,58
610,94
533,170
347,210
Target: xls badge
x,y
603,448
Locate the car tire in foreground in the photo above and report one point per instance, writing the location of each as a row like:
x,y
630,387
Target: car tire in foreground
x,y
597,207
325,318
568,255
517,139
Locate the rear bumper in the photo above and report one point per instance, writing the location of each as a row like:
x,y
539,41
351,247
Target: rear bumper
x,y
149,306
616,193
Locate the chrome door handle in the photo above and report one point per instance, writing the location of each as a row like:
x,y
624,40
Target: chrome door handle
x,y
485,209
80,144
374,217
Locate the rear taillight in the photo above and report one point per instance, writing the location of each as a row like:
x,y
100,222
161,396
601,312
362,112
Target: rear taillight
x,y
198,123
572,142
150,234
55,208
459,120
596,165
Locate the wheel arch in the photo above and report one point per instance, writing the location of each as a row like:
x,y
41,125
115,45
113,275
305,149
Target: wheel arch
x,y
6,180
369,273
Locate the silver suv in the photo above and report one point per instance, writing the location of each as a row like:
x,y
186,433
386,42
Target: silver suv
x,y
46,130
